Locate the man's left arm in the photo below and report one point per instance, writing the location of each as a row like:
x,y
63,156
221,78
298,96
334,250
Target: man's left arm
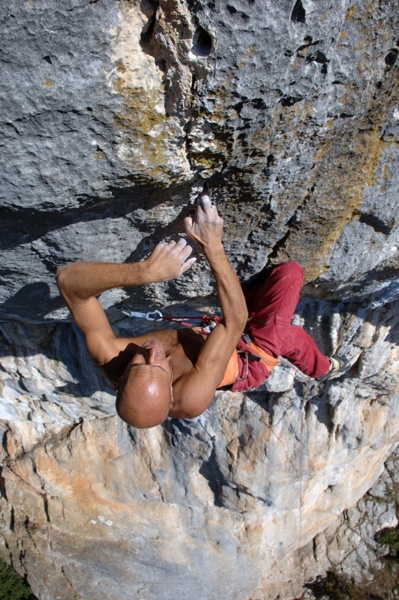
x,y
196,390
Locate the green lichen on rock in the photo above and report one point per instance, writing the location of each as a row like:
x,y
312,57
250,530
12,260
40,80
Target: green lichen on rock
x,y
12,586
142,127
390,537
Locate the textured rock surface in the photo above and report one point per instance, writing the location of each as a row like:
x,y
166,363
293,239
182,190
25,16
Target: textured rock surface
x,y
348,547
112,115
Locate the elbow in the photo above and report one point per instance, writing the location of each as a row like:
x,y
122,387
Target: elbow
x,y
236,321
242,318
61,277
64,281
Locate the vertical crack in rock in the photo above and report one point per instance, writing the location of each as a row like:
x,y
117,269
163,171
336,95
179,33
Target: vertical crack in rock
x,y
159,54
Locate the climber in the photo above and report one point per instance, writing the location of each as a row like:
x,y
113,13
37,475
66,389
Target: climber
x,y
175,372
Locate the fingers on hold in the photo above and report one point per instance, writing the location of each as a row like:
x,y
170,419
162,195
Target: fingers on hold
x,y
204,199
188,224
187,251
187,264
203,202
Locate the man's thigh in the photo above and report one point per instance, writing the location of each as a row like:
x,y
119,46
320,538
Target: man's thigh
x,y
277,296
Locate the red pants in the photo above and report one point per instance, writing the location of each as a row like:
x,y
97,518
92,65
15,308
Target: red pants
x,y
271,305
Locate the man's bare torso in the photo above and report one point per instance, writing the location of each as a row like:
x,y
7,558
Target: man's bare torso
x,y
181,346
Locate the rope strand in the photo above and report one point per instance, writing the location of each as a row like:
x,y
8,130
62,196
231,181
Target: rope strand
x,y
156,315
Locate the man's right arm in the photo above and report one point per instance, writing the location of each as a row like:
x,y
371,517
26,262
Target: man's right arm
x,y
79,283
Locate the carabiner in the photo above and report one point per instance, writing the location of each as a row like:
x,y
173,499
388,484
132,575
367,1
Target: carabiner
x,y
155,315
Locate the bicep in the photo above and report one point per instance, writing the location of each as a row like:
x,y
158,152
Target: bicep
x,y
92,321
196,391
194,397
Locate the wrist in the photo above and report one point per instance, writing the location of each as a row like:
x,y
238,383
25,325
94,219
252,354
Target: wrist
x,y
141,272
214,249
215,254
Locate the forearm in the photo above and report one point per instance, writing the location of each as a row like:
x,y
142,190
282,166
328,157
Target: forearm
x,y
205,227
85,279
231,297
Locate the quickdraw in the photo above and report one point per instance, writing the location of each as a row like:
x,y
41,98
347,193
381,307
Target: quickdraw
x,y
156,315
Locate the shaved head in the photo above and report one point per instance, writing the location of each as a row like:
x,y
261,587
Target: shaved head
x,y
144,395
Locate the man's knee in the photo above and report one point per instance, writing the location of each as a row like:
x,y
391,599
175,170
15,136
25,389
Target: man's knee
x,y
291,269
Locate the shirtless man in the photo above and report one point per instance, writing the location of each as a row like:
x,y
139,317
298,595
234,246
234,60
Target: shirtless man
x,y
175,372
171,372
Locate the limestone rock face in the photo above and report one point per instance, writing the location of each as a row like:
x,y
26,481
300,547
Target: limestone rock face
x,y
114,113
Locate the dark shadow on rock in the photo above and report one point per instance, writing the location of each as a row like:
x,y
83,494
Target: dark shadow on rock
x,y
210,470
266,400
324,413
257,278
61,342
178,426
31,303
393,336
24,225
375,288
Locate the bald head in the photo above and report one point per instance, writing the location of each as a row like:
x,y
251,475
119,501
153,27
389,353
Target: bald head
x,y
144,395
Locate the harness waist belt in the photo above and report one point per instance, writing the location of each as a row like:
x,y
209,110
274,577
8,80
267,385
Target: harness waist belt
x,y
269,361
231,373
